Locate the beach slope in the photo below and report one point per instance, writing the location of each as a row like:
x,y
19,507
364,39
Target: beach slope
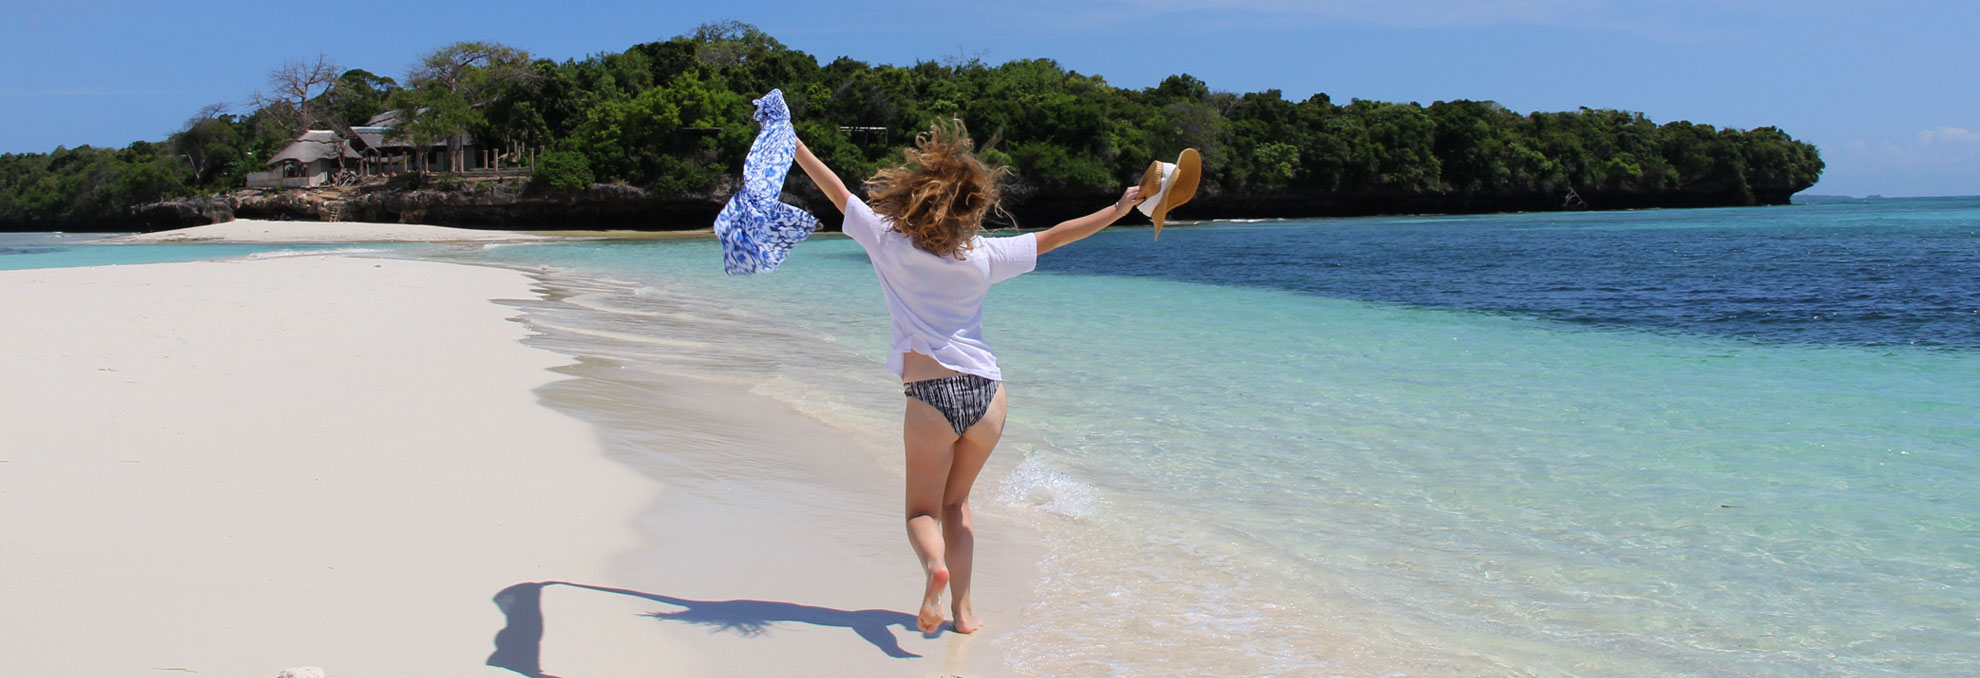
x,y
231,468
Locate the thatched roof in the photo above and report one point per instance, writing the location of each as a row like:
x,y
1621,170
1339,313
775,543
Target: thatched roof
x,y
314,145
380,139
376,133
374,137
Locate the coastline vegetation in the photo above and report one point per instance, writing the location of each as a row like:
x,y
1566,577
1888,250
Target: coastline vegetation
x,y
673,117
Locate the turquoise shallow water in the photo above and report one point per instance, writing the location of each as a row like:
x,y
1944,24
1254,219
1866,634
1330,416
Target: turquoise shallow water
x,y
1255,478
1551,445
66,250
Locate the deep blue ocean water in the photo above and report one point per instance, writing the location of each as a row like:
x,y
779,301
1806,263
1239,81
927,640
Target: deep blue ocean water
x,y
1856,273
1685,443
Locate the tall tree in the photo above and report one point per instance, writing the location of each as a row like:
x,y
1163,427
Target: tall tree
x,y
356,96
209,144
474,71
446,88
293,99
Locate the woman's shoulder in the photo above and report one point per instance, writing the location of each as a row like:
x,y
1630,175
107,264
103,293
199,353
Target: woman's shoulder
x,y
1007,256
985,243
862,223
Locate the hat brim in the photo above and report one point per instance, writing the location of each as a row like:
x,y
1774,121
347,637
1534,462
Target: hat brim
x,y
1151,179
1189,174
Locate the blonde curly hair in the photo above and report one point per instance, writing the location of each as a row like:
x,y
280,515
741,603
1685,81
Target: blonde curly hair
x,y
940,195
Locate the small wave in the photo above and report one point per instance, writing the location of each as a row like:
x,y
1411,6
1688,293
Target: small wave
x,y
312,253
1034,485
628,337
586,301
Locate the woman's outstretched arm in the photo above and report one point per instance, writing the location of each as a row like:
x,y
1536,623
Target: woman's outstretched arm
x,y
828,183
1068,231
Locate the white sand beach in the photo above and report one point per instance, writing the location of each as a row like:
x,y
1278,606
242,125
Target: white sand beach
x,y
232,468
264,231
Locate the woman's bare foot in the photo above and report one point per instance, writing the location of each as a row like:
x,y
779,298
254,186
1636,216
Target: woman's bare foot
x,y
966,621
930,620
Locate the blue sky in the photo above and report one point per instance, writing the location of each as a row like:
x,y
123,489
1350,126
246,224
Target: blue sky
x,y
1889,90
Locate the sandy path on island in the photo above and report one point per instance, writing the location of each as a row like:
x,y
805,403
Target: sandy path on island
x,y
231,468
263,231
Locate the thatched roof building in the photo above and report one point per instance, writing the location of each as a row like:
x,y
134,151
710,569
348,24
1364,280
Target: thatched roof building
x,y
315,145
317,155
376,135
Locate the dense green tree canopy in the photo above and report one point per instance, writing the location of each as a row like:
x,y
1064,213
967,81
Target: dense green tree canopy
x,y
674,116
357,95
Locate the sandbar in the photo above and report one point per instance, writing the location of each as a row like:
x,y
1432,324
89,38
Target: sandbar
x,y
257,231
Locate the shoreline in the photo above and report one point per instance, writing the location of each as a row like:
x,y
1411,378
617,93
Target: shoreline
x,y
1207,210
261,231
273,458
780,529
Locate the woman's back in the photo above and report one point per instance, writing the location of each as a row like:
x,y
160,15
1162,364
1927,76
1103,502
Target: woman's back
x,y
936,302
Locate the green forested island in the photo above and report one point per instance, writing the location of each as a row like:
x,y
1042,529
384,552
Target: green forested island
x,y
654,137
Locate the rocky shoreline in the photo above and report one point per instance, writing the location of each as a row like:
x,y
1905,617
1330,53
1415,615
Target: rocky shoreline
x,y
603,206
613,206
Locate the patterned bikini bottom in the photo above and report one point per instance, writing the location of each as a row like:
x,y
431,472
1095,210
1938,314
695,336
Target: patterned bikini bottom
x,y
962,399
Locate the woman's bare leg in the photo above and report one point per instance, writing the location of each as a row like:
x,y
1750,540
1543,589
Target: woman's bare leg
x,y
971,451
930,451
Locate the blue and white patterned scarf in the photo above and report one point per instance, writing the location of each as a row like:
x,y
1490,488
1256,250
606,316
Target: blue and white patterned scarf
x,y
756,230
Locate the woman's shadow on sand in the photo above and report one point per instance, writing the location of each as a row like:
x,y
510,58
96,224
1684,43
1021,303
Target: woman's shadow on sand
x,y
518,646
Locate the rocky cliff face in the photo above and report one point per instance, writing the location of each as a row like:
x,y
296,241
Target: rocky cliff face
x,y
625,207
600,207
157,216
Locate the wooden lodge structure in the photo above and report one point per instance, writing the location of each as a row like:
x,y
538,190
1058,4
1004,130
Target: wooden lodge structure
x,y
321,157
311,160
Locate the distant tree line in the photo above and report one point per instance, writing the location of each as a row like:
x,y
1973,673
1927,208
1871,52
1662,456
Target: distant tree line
x,y
674,117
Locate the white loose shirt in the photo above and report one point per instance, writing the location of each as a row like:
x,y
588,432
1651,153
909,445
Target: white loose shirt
x,y
936,302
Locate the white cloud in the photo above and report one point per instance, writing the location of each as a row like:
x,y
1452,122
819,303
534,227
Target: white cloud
x,y
84,92
1942,147
1682,21
1421,13
1943,161
1948,135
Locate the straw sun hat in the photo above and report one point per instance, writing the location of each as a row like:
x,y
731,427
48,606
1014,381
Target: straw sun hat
x,y
1167,185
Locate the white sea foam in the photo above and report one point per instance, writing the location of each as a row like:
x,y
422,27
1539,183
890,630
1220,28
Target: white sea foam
x,y
279,254
622,336
1035,485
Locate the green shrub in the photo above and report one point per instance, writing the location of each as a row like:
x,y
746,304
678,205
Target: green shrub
x,y
567,171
